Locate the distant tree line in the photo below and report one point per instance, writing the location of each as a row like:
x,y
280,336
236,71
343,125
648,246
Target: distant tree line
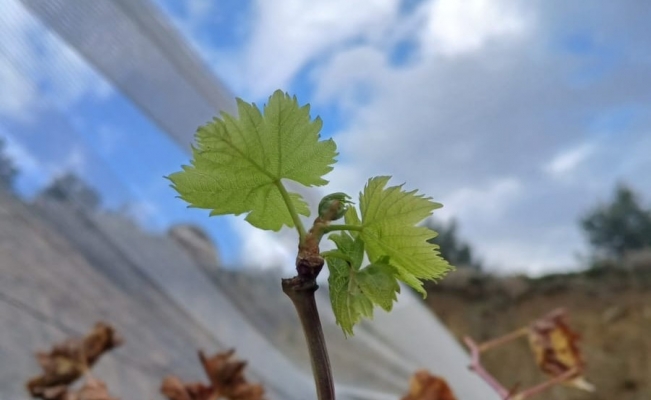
x,y
67,187
458,252
71,188
8,170
619,227
615,229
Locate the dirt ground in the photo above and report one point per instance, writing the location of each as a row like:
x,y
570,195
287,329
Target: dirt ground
x,y
610,308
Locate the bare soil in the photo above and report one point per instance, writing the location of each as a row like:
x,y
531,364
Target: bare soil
x,y
610,308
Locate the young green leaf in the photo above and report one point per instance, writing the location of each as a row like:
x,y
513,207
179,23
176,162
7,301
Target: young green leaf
x,y
388,218
239,163
348,302
349,248
378,282
355,290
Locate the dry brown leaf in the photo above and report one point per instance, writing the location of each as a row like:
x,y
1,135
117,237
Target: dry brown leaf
x,y
227,381
67,361
93,389
55,393
555,347
425,386
174,389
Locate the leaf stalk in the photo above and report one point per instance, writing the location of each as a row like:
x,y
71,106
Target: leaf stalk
x,y
332,228
292,211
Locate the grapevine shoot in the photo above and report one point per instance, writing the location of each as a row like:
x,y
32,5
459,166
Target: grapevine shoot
x,y
238,167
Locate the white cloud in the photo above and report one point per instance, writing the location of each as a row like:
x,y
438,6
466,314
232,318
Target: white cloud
x,y
287,34
563,164
75,160
347,83
146,213
529,257
15,91
38,170
455,27
486,204
24,160
347,178
265,249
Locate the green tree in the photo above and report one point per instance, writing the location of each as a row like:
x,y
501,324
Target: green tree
x,y
8,170
71,188
620,226
458,252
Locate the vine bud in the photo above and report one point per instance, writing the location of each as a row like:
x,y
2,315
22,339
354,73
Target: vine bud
x,y
334,206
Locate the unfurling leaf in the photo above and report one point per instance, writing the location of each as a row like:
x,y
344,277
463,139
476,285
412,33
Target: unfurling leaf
x,y
67,361
226,377
238,164
425,386
355,290
388,219
334,206
555,347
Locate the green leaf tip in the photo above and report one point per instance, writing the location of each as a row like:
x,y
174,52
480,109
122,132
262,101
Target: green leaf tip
x,y
239,162
354,291
389,216
389,235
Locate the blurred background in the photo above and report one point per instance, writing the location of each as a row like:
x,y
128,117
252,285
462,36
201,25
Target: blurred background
x,y
530,121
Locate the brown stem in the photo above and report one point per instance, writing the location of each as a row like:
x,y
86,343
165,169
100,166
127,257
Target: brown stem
x,y
478,368
475,365
301,292
532,391
509,337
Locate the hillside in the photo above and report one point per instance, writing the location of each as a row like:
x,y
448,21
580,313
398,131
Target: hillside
x,y
611,308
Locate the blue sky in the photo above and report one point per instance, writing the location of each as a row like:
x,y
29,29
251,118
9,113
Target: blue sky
x,y
517,115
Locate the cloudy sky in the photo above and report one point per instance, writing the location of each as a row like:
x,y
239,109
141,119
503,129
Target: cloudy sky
x,y
517,115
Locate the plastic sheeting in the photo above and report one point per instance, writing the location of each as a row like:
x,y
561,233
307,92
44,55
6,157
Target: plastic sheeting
x,y
133,45
49,291
121,251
